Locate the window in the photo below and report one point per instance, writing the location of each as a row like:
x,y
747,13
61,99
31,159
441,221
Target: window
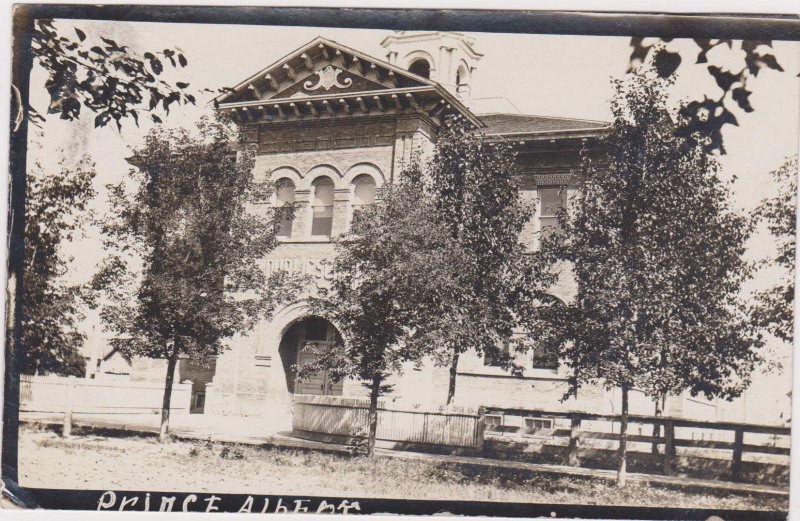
x,y
544,356
461,76
316,329
363,193
420,67
493,421
199,401
489,360
322,210
534,425
284,195
551,201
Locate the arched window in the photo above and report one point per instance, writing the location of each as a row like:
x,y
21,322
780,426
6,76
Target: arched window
x,y
420,67
462,81
363,193
284,197
322,210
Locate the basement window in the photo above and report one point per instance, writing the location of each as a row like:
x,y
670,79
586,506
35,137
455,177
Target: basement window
x,y
493,421
538,425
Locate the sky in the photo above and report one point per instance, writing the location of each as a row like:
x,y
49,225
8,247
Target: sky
x,y
552,75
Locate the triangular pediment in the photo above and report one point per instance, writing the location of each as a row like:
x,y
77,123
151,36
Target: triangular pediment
x,y
329,79
322,67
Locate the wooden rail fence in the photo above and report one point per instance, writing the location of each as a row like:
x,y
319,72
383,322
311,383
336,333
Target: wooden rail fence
x,y
346,420
668,440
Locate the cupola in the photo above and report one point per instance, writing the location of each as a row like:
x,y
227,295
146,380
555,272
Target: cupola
x,y
447,58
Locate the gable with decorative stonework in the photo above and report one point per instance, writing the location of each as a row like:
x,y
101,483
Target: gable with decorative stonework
x,y
322,67
329,80
324,80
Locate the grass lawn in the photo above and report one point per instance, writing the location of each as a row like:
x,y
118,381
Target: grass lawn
x,y
95,460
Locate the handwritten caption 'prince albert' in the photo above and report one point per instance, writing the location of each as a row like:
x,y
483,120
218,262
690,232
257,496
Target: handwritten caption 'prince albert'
x,y
110,500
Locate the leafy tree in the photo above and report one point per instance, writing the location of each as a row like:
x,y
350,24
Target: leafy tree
x,y
56,210
394,269
710,114
774,310
656,252
476,196
185,276
110,79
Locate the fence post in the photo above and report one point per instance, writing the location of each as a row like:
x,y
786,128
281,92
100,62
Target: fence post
x,y
480,427
738,446
67,430
574,440
669,447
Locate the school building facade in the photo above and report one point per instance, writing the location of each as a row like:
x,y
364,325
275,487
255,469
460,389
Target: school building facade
x,y
332,125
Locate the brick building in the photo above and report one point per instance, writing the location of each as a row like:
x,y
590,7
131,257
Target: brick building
x,y
332,125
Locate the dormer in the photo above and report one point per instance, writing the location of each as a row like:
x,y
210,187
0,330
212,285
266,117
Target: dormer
x,y
448,58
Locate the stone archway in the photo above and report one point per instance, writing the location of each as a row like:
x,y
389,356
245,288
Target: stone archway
x,y
286,334
296,349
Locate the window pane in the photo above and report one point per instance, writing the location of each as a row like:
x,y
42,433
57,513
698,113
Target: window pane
x,y
285,191
316,329
544,357
549,226
323,192
364,191
489,360
285,227
285,196
322,224
533,425
493,420
551,200
322,220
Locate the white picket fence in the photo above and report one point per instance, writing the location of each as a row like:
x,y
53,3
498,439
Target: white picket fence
x,y
57,394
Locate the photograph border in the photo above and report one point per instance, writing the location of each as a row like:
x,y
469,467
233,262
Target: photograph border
x,y
734,26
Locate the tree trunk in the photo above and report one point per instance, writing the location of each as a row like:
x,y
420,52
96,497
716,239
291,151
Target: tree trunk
x,y
660,404
163,434
451,389
623,439
375,391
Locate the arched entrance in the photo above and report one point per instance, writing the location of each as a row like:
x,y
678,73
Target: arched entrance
x,y
294,351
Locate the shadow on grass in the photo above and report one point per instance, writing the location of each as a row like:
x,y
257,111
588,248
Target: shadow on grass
x,y
85,430
639,462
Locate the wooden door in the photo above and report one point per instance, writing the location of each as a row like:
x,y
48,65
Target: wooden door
x,y
313,385
320,383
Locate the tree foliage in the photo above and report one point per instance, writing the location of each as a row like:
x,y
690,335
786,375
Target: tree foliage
x,y
393,270
187,238
774,309
112,80
56,210
475,193
709,115
657,254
